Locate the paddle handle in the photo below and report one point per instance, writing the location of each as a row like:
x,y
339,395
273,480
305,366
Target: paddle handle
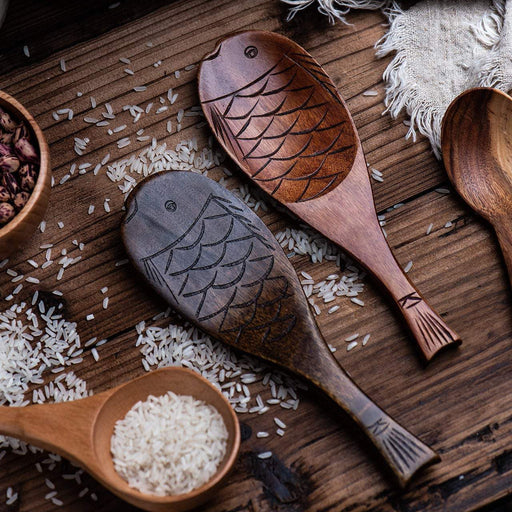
x,y
347,217
64,428
428,328
504,233
371,250
404,453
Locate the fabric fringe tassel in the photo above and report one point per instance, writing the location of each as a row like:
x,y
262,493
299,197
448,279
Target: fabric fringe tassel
x,y
401,92
488,31
489,70
427,116
334,9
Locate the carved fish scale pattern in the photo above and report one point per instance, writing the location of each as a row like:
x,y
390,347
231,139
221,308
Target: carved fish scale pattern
x,y
222,265
288,128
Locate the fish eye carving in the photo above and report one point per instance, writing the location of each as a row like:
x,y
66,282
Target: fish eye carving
x,y
170,206
250,52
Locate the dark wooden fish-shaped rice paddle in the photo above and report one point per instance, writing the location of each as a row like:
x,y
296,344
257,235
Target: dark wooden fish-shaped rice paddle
x,y
280,117
217,264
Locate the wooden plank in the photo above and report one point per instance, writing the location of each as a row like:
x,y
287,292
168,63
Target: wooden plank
x,y
65,24
174,44
461,403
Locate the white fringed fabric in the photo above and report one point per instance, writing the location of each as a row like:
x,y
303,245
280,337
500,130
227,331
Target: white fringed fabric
x,y
335,9
440,48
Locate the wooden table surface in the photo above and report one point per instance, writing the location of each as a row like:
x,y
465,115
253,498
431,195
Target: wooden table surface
x,y
461,404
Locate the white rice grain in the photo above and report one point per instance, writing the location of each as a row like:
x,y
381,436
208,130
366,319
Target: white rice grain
x,y
279,423
351,346
154,462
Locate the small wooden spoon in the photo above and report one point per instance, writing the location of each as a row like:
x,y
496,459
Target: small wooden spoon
x,y
81,431
216,263
281,119
477,154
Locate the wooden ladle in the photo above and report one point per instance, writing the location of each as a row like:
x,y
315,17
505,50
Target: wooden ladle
x,y
216,263
81,431
280,117
477,154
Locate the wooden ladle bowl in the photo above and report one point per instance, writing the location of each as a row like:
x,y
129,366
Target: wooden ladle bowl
x,y
14,233
81,431
477,153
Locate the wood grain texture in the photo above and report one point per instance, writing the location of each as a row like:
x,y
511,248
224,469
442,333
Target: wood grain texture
x,y
461,404
279,116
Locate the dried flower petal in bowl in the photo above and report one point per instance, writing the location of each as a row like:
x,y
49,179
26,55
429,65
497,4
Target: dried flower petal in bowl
x,y
19,165
24,174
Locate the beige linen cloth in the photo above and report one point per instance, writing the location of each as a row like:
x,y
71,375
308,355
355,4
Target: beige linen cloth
x,y
440,48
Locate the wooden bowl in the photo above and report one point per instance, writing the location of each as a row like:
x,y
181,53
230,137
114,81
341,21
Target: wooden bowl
x,y
182,382
21,227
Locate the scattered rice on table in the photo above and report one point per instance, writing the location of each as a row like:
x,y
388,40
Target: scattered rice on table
x,y
173,344
352,345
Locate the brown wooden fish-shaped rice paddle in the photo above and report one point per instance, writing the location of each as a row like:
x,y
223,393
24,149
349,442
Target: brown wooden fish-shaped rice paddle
x,y
216,263
280,117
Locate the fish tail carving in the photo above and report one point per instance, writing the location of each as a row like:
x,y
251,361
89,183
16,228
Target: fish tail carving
x,y
405,453
427,326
